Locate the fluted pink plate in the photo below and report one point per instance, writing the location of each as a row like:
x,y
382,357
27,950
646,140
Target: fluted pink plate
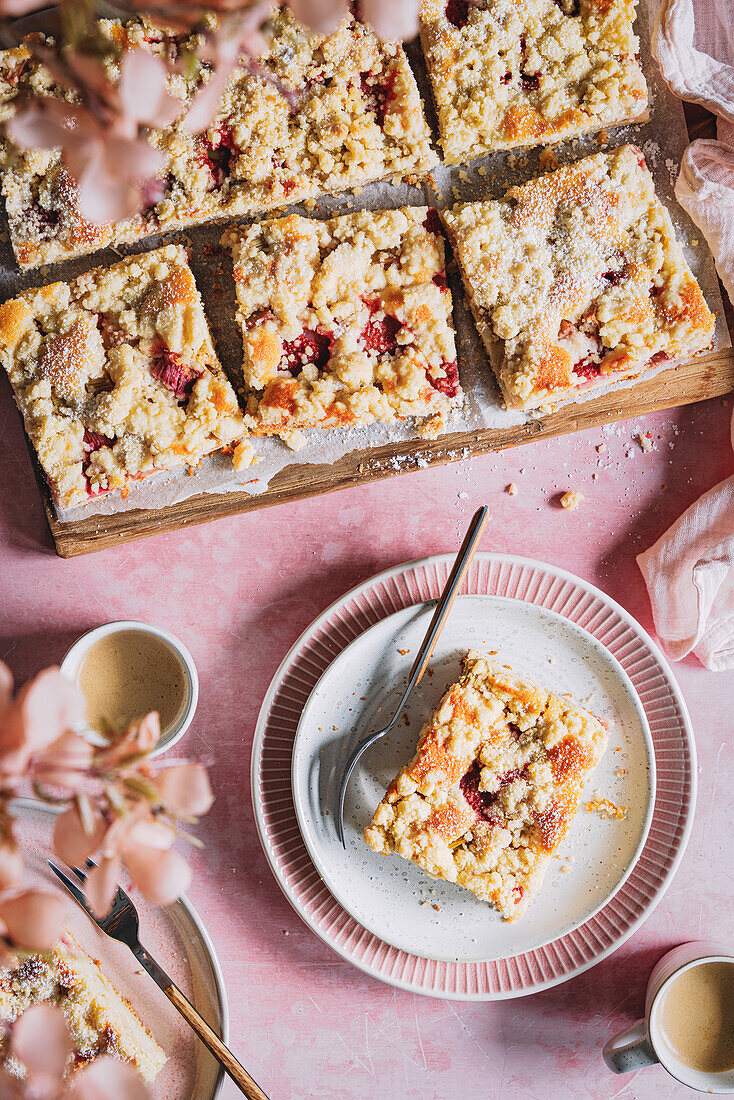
x,y
584,628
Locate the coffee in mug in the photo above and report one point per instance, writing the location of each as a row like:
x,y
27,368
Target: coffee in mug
x,y
696,1017
688,1026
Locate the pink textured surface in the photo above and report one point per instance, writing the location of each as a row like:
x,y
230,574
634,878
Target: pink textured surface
x,y
240,591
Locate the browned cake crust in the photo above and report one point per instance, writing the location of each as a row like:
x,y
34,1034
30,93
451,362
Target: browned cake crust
x,y
116,375
508,73
491,791
345,111
344,322
576,279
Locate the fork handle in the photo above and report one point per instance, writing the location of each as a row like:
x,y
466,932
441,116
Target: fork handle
x,y
449,594
208,1036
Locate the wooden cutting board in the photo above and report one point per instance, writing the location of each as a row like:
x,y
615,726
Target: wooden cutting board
x,y
709,376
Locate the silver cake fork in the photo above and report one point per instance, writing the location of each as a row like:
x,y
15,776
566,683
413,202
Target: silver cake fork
x,y
121,923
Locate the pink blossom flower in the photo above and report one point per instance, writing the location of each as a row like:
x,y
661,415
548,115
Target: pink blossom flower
x,y
320,16
103,149
185,789
39,1039
392,20
33,919
41,712
138,739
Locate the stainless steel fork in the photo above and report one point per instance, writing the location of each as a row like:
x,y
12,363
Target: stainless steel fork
x,y
121,923
436,625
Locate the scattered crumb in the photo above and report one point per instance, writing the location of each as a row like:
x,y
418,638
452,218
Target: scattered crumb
x,y
606,808
432,428
512,489
566,868
402,652
619,772
645,441
571,500
436,907
601,447
548,160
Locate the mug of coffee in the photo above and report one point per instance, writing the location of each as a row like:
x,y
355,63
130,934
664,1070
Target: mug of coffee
x,y
688,1025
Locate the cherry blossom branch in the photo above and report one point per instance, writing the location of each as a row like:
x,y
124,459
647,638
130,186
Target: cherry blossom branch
x,y
102,125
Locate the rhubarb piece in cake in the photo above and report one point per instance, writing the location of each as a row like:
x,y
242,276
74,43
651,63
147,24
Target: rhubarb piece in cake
x,y
346,321
576,279
99,1019
337,112
506,75
116,375
492,789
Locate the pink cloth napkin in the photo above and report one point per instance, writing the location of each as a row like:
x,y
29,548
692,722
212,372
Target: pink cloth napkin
x,y
689,572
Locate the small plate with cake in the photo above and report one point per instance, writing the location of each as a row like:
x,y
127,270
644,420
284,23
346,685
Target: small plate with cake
x,y
110,1004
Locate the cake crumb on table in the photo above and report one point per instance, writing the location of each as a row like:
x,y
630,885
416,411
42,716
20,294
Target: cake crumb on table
x,y
606,808
571,500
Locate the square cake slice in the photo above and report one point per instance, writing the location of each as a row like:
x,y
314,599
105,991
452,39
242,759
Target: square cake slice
x,y
493,787
316,114
576,279
116,375
344,322
100,1020
519,74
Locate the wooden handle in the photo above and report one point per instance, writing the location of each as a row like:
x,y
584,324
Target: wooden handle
x,y
213,1043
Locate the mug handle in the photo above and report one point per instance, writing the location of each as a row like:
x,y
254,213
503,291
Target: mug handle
x,y
630,1049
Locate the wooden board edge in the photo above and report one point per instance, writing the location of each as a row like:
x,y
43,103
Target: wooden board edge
x,y
699,379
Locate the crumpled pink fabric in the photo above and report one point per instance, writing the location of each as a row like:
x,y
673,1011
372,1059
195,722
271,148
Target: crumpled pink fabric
x,y
689,571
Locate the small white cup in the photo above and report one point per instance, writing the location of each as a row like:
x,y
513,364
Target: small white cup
x,y
643,1044
74,658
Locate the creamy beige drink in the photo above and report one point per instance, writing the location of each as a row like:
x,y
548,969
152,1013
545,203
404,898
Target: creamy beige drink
x,y
127,674
697,1017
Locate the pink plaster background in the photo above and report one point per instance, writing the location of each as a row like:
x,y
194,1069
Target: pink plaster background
x,y
239,592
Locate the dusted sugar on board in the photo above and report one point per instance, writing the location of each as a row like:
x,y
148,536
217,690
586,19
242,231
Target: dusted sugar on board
x,y
493,787
576,280
508,74
116,376
340,111
345,322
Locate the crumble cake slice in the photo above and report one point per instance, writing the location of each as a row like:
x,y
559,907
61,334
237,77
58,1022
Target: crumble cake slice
x,y
344,322
100,1020
508,74
493,787
340,111
576,279
116,375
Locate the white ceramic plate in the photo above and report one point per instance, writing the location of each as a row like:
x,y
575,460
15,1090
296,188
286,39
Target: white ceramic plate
x,y
361,690
177,939
576,602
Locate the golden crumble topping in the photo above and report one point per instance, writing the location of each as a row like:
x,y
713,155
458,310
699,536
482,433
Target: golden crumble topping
x,y
344,322
345,110
576,279
491,791
508,73
116,375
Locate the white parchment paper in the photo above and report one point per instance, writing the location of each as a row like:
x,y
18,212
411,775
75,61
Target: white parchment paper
x,y
662,138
